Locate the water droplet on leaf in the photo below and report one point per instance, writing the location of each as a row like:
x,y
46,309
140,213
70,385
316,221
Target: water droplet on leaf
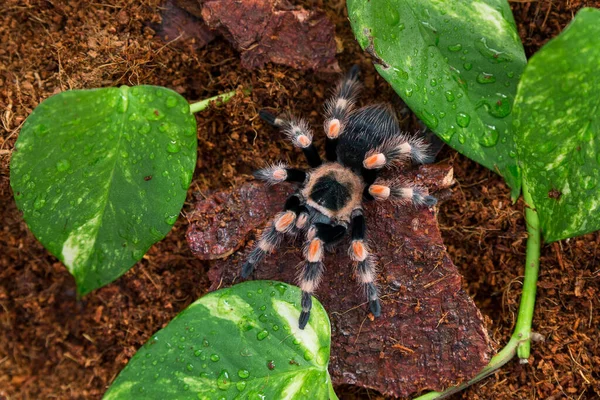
x,y
223,381
429,119
501,107
171,101
484,78
262,335
463,119
447,135
39,203
392,16
489,137
492,55
173,147
243,373
63,165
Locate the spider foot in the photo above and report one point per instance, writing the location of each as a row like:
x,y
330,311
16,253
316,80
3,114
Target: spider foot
x,y
247,269
375,307
303,320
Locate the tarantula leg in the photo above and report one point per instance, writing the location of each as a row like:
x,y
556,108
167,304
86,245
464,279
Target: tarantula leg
x,y
283,222
318,236
395,150
374,304
396,190
303,216
298,132
309,280
365,270
337,109
280,172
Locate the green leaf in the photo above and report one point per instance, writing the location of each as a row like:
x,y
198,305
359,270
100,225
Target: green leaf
x,y
241,342
456,64
102,174
558,129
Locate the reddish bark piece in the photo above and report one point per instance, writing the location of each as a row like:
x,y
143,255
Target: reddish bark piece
x,y
177,23
270,31
430,334
221,223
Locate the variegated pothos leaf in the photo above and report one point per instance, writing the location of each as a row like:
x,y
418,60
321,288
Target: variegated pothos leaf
x,y
241,342
557,114
102,174
456,64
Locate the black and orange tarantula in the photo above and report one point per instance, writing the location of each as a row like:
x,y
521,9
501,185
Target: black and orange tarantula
x,y
331,194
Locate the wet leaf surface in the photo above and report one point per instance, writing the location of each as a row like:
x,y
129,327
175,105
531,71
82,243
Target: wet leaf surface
x,y
430,334
456,65
102,174
239,342
559,129
262,30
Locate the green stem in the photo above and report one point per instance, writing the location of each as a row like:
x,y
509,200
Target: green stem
x,y
520,341
532,267
219,99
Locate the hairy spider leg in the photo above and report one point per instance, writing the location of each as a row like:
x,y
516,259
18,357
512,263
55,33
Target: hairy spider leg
x,y
280,172
270,239
337,109
399,190
365,262
396,149
318,235
298,132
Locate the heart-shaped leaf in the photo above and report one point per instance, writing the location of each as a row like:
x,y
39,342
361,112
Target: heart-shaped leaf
x,y
456,64
102,174
242,342
558,128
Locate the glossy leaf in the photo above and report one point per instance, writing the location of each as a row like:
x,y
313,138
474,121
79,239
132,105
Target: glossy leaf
x,y
242,342
558,129
102,174
456,64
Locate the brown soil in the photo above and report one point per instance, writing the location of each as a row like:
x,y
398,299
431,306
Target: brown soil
x,y
54,346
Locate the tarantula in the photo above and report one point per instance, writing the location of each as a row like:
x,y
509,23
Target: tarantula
x,y
329,200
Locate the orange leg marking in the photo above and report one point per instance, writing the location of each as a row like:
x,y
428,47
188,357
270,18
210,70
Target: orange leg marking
x,y
334,129
358,250
285,221
314,250
379,191
375,161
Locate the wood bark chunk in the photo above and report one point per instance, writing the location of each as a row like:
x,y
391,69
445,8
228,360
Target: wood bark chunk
x,y
430,334
265,31
177,23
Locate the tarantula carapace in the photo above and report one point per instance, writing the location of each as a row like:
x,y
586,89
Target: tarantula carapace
x,y
329,200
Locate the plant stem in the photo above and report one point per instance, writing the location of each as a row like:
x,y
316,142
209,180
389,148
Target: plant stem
x,y
219,99
520,341
532,267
